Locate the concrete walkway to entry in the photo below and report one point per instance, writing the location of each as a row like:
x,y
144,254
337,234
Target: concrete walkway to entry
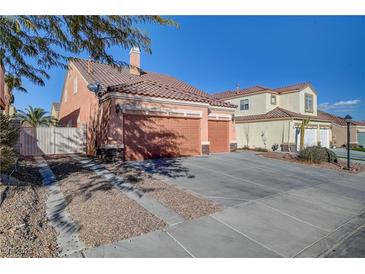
x,y
272,208
68,239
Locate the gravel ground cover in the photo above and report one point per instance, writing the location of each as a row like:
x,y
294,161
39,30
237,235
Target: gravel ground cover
x,y
340,166
24,228
104,214
184,202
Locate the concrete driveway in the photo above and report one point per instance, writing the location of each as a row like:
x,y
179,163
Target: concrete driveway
x,y
355,156
272,208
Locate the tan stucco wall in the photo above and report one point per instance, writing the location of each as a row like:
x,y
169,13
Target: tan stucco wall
x,y
250,134
257,103
294,101
276,132
339,135
261,103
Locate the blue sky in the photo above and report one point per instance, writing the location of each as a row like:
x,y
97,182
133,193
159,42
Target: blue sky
x,y
215,53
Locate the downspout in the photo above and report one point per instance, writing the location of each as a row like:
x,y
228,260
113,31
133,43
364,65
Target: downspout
x,y
289,150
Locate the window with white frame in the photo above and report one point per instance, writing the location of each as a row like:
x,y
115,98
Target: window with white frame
x,y
244,105
308,101
75,85
65,96
273,99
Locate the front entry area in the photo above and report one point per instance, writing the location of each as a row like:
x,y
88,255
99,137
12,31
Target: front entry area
x,y
149,137
218,136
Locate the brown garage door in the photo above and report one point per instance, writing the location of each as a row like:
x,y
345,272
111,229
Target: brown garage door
x,y
148,137
218,136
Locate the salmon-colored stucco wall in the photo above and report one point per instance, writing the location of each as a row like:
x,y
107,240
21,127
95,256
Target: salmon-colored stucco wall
x,y
104,125
116,122
4,96
81,107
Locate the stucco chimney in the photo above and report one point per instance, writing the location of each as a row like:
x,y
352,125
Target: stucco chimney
x,y
135,61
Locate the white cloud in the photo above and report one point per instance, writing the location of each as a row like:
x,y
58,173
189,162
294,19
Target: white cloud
x,y
340,106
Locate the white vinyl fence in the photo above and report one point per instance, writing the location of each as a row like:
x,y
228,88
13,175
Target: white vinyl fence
x,y
52,140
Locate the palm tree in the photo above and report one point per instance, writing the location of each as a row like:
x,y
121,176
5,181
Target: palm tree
x,y
35,117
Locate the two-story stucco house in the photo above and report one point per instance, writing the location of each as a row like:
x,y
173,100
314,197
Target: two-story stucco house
x,y
266,117
139,115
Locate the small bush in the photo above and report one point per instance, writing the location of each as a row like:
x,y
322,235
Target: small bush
x,y
274,147
260,149
317,155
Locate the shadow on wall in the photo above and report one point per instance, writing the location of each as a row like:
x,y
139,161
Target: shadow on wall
x,y
147,137
70,119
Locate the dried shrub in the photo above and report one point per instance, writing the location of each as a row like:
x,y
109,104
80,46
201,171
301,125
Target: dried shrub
x,y
317,154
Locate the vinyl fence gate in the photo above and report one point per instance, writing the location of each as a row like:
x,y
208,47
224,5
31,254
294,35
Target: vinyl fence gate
x,y
51,140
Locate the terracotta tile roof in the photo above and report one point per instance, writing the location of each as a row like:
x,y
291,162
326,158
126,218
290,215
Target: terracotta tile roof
x,y
333,118
277,113
232,93
147,84
294,87
359,123
337,119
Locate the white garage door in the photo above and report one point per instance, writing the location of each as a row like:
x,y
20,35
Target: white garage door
x,y
324,137
310,137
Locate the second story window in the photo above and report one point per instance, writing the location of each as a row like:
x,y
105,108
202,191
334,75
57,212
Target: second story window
x,y
244,105
308,101
75,85
273,99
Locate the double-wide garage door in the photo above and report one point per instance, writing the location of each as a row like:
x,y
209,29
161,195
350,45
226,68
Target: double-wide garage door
x,y
148,137
218,136
310,137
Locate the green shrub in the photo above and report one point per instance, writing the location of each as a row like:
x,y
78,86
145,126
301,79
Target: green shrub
x,y
260,149
8,138
317,154
274,147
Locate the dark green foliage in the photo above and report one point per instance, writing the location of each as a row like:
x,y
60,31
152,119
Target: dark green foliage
x,y
260,149
8,138
274,147
317,154
360,148
35,117
31,45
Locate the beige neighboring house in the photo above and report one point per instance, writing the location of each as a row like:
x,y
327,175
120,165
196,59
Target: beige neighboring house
x,y
339,130
55,110
266,117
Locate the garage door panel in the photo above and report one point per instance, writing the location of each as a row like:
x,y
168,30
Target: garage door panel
x,y
324,137
218,136
147,137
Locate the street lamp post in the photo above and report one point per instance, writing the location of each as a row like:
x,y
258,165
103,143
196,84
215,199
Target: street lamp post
x,y
348,119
